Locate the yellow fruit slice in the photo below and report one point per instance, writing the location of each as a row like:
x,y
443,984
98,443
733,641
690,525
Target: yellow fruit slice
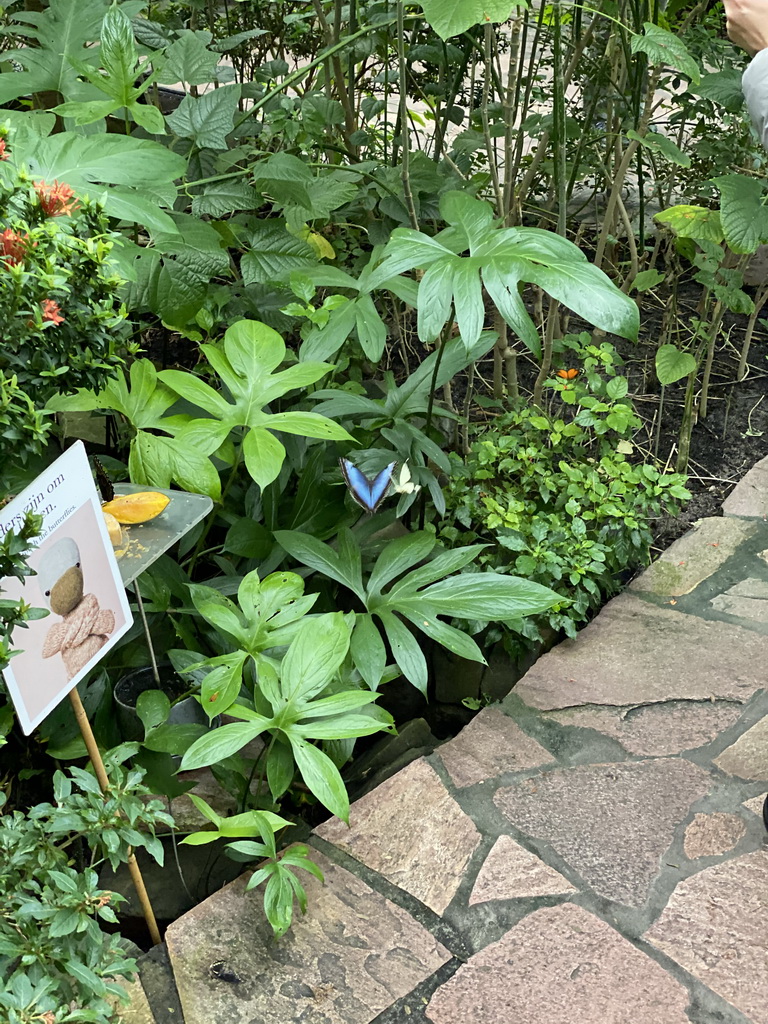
x,y
113,529
130,509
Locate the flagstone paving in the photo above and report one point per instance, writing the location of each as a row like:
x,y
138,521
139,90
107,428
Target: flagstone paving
x,y
590,851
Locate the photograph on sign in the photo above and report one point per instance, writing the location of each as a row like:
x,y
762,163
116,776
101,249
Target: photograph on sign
x,y
76,581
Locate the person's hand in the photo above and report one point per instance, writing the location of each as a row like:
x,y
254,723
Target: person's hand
x,y
747,23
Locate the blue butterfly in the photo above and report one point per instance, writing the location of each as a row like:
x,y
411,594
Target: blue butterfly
x,y
369,494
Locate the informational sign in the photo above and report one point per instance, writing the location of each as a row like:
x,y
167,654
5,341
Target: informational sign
x,y
77,581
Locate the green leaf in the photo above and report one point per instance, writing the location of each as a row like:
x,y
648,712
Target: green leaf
x,y
280,768
452,17
658,143
274,254
278,902
322,777
469,308
697,222
446,563
369,654
225,197
665,49
743,213
435,300
672,364
153,708
405,649
314,656
207,119
487,596
188,60
312,552
447,636
221,687
264,456
221,743
398,556
337,704
343,727
218,610
647,279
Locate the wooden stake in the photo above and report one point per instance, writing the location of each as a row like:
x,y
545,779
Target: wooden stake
x,y
101,775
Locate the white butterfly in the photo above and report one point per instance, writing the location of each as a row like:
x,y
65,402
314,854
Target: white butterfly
x,y
404,484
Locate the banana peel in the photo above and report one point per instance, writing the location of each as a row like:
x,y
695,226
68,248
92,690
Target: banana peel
x,y
131,509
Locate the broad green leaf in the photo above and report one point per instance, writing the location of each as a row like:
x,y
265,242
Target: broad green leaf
x,y
274,254
485,595
435,299
157,460
368,651
221,687
443,565
174,738
188,60
723,87
205,809
405,649
264,456
314,656
308,424
447,636
647,279
337,704
343,727
220,743
206,119
280,768
697,222
672,364
225,197
658,143
664,48
469,308
278,902
321,776
371,329
452,17
398,556
153,708
743,213
472,216
317,555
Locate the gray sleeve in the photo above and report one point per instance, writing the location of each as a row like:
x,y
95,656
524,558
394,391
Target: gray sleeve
x,y
754,82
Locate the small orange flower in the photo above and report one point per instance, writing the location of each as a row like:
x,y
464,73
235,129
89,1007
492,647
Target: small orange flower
x,y
567,374
51,311
55,199
3,154
13,246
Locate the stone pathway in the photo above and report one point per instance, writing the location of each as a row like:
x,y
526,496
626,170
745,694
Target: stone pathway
x,y
590,851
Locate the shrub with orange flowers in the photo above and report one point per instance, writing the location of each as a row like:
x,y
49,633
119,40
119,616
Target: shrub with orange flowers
x,y
59,302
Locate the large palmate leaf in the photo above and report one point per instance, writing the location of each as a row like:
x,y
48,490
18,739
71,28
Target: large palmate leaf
x,y
118,169
418,596
245,364
743,213
665,49
208,119
499,260
62,33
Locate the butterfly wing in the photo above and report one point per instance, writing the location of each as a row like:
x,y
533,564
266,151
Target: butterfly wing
x,y
105,484
367,493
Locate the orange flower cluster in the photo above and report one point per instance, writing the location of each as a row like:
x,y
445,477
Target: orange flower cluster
x,y
55,199
3,154
13,246
51,311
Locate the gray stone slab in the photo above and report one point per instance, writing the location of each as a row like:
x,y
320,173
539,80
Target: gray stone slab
x,y
490,745
715,926
747,758
655,730
712,835
137,1011
412,831
637,653
747,600
695,557
560,965
512,872
750,496
347,960
611,823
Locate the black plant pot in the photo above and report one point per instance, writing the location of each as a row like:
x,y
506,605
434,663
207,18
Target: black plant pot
x,y
129,688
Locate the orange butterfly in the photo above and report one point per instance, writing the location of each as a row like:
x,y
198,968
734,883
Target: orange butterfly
x,y
567,374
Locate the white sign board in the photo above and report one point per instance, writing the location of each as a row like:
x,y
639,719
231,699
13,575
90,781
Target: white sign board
x,y
77,581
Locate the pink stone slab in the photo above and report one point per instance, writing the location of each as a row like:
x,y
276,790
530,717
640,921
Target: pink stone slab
x,y
347,960
747,758
750,496
611,823
638,653
711,835
412,831
715,925
560,965
695,557
656,729
490,745
512,872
